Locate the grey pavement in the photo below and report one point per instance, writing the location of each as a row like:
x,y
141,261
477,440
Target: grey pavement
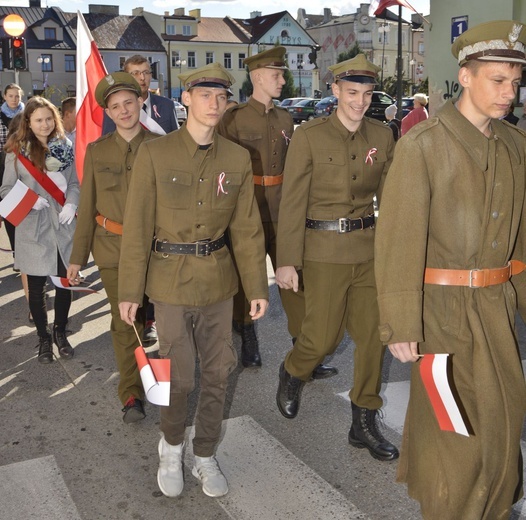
x,y
65,453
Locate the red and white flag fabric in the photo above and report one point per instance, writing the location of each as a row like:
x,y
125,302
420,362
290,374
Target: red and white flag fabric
x,y
155,377
376,7
63,283
18,203
90,70
433,370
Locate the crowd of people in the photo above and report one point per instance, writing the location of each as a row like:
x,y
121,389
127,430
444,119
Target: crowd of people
x,y
179,223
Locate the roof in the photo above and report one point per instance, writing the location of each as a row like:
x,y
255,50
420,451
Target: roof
x,y
214,30
260,25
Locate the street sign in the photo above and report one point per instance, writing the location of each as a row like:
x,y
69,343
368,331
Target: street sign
x,y
459,24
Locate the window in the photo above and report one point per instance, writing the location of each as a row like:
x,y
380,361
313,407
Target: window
x,y
47,62
69,63
209,58
191,60
175,57
300,60
227,60
170,29
187,30
50,33
122,59
421,48
240,58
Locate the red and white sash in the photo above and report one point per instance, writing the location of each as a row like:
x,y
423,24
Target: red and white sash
x,y
53,182
150,124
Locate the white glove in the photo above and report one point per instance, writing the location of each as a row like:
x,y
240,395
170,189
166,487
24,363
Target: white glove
x,y
67,214
41,203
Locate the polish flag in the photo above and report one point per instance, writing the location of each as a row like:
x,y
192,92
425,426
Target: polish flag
x,y
155,376
433,370
63,283
90,70
17,203
376,7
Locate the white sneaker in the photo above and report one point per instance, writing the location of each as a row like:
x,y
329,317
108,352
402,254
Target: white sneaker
x,y
170,473
207,470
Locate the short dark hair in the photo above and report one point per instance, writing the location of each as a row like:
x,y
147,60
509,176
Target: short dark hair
x,y
136,59
69,104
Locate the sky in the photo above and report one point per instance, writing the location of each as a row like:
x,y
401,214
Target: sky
x,y
217,8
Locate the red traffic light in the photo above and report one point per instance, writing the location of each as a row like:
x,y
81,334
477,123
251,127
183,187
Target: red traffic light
x,y
18,42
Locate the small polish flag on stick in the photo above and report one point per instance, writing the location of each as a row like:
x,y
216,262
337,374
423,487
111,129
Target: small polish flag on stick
x,y
433,370
155,376
63,283
18,203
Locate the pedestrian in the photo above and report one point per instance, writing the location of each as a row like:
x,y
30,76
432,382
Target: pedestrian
x,y
392,121
419,113
108,168
69,118
159,117
265,131
447,230
510,117
11,106
335,166
39,155
521,123
187,187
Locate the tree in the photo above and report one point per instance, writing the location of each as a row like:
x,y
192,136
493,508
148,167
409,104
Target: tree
x,y
289,90
351,53
391,85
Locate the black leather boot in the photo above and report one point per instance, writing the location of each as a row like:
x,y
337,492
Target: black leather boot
x,y
289,393
250,356
364,433
64,348
45,349
323,372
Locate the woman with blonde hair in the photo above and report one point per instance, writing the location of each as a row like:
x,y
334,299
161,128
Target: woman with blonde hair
x,y
39,155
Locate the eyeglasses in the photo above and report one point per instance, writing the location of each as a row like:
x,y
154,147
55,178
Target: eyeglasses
x,y
137,73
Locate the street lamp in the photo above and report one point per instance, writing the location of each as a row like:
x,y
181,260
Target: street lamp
x,y
42,60
383,29
412,64
300,68
179,63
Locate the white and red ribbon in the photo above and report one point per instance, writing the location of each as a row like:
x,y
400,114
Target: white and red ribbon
x,y
433,371
155,112
369,158
17,203
155,377
286,137
63,283
220,187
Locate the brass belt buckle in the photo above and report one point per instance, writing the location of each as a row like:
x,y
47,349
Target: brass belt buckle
x,y
471,278
344,225
205,243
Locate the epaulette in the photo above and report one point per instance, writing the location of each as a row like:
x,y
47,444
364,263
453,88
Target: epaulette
x,y
315,122
237,107
510,125
376,122
102,138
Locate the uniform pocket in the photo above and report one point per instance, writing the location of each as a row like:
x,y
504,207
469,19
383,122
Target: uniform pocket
x,y
226,188
108,177
175,189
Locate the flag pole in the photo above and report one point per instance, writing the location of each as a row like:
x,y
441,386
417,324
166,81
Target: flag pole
x,y
399,68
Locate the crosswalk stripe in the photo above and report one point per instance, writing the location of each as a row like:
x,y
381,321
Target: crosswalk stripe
x,y
267,481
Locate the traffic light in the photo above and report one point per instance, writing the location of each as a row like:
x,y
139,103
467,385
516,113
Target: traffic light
x,y
18,50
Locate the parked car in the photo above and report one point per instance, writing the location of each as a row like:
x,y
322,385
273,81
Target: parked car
x,y
379,103
408,103
325,106
288,102
180,111
303,111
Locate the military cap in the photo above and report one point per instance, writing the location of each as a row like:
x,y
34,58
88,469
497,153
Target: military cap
x,y
271,59
213,75
358,69
502,40
113,83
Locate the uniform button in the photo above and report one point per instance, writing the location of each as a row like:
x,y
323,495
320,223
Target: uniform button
x,y
352,210
198,226
495,214
353,177
353,157
330,159
128,167
174,179
274,153
200,203
201,179
129,148
494,244
273,166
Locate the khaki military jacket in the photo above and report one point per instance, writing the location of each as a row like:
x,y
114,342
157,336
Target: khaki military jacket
x,y
107,175
454,199
183,193
266,136
331,173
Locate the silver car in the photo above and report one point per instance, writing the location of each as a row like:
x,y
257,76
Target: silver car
x,y
180,111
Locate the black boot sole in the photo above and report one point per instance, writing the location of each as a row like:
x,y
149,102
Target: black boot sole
x,y
360,445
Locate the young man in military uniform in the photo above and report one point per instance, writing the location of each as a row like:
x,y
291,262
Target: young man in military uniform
x,y
188,188
107,175
335,165
447,229
265,131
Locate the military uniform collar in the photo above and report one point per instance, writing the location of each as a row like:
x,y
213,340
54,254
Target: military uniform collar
x,y
134,144
259,107
345,134
191,146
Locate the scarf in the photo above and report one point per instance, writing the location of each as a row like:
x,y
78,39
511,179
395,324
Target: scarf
x,y
9,112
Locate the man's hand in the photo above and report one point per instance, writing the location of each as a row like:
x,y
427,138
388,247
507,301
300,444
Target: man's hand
x,y
405,352
73,274
287,277
128,311
258,308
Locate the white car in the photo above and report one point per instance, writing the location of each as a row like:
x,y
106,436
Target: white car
x,y
180,111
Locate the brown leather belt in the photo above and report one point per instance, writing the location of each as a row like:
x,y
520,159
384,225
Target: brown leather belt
x,y
474,278
342,225
268,180
109,225
200,248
